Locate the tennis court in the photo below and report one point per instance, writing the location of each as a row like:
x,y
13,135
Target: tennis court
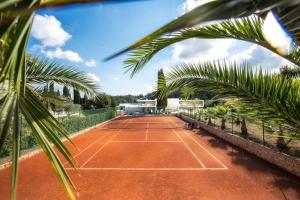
x,y
154,157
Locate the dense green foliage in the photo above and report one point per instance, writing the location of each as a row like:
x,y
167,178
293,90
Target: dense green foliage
x,y
266,96
76,96
161,84
247,29
18,98
73,122
66,92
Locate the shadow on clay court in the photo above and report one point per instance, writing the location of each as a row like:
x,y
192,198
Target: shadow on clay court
x,y
239,157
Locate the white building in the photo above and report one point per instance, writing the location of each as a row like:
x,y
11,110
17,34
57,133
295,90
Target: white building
x,y
141,107
150,106
176,104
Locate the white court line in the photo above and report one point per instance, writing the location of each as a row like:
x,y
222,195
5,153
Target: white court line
x,y
147,169
190,149
205,150
148,141
87,147
90,158
100,148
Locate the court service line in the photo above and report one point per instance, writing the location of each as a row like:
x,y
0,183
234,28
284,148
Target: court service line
x,y
88,147
189,149
148,169
148,141
205,149
101,147
90,158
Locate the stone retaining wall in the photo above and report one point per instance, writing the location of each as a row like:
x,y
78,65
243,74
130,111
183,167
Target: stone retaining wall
x,y
282,160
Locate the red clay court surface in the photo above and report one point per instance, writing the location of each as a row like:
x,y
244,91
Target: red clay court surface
x,y
154,158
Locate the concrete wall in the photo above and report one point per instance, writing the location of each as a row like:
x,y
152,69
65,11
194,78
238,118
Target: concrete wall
x,y
282,160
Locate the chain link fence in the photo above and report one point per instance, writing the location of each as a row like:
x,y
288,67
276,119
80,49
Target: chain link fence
x,y
72,122
252,129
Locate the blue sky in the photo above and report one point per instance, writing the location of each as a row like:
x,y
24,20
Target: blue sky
x,y
96,31
82,36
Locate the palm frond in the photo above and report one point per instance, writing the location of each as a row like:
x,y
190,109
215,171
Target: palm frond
x,y
224,10
247,29
274,96
46,130
44,71
15,8
290,72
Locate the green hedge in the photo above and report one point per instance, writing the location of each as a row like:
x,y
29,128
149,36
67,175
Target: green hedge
x,y
72,123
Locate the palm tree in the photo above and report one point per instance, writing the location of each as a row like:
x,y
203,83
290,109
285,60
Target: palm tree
x,y
15,24
221,112
210,112
27,102
275,97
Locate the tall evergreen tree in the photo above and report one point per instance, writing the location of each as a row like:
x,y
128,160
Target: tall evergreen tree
x,y
51,88
161,83
66,91
76,96
45,90
85,99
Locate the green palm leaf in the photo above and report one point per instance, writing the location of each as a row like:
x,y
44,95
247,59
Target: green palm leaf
x,y
247,29
223,10
45,71
291,72
46,129
274,96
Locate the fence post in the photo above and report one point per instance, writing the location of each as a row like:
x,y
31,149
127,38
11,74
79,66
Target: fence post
x,y
232,123
78,127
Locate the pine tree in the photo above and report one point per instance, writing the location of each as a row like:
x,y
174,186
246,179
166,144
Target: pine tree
x,y
66,91
85,99
76,97
51,88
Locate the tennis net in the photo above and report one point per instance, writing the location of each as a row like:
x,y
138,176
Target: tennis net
x,y
143,125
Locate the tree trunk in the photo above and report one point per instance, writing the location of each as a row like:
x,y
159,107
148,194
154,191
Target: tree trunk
x,y
209,121
281,144
238,121
244,130
223,126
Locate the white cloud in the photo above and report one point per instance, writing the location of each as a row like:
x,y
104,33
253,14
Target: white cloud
x,y
90,63
115,78
201,49
206,49
48,30
59,53
256,55
148,88
191,4
93,77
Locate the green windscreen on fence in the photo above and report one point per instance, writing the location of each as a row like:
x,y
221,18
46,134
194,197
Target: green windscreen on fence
x,y
72,122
